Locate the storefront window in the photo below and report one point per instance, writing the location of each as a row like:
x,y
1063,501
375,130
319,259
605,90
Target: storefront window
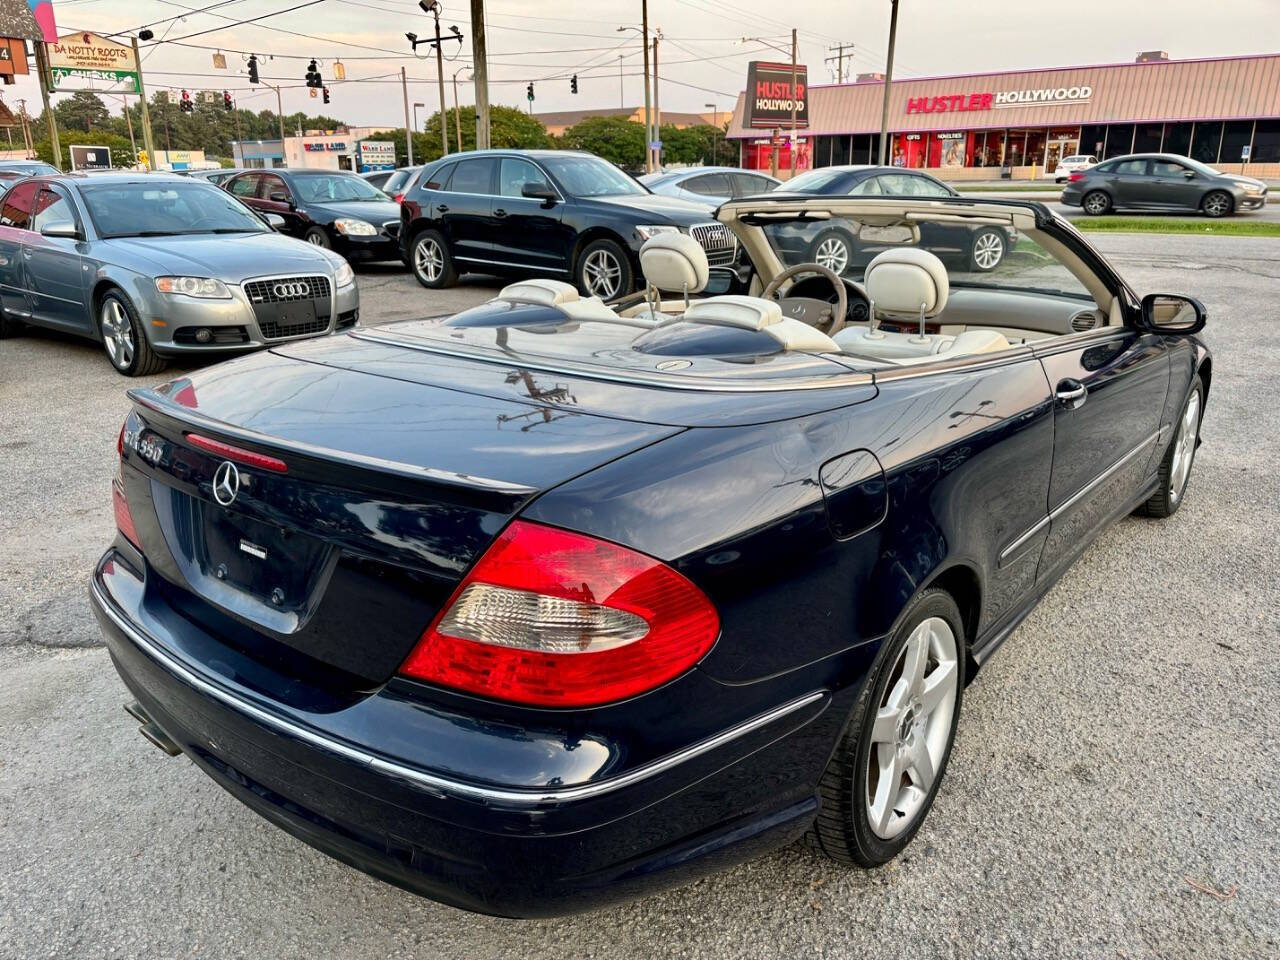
x,y
1266,142
1205,142
1235,137
1092,138
840,150
1147,137
1177,138
1119,141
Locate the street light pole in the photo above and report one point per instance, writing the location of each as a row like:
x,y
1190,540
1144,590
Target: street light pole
x,y
648,103
408,130
795,102
416,105
457,112
715,125
657,111
146,116
444,111
622,90
888,81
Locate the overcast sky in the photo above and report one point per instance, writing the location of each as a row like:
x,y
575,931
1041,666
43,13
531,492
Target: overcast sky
x,y
703,57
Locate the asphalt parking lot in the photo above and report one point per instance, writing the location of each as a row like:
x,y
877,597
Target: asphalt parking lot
x,y
1118,758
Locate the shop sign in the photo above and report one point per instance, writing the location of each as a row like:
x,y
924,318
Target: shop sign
x,y
950,136
963,102
769,96
87,56
322,147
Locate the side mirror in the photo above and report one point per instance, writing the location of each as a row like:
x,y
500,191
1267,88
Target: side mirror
x,y
1172,313
1189,174
274,221
280,196
538,191
61,228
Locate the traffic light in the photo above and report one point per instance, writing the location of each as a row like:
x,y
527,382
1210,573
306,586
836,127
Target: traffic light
x,y
226,100
253,68
313,76
326,94
185,105
529,93
573,84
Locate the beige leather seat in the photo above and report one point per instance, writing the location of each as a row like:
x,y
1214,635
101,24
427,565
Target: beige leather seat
x,y
671,263
909,284
756,313
556,293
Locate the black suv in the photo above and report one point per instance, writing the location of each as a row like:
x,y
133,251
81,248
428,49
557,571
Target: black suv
x,y
551,213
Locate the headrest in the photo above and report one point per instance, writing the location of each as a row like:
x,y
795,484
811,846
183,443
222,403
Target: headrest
x,y
902,279
674,262
547,293
750,313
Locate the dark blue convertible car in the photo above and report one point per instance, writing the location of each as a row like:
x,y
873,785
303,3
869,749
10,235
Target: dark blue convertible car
x,y
552,602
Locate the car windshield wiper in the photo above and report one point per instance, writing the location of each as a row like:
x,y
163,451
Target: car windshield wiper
x,y
142,233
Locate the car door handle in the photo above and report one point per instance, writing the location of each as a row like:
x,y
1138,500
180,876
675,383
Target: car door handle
x,y
1071,393
499,213
26,253
442,207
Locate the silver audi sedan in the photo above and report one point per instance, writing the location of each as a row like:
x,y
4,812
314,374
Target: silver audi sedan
x,y
154,266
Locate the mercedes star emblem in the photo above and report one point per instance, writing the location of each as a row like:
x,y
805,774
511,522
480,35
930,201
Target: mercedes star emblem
x,y
226,483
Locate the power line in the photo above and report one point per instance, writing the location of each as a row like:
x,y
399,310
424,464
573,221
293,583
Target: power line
x,y
180,16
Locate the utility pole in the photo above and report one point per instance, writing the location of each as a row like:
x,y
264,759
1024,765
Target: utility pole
x,y
408,130
715,125
840,48
657,111
480,74
42,67
622,90
444,111
133,144
457,112
888,81
648,116
146,116
795,102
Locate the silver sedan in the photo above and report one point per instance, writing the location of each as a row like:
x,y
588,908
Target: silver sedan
x,y
155,266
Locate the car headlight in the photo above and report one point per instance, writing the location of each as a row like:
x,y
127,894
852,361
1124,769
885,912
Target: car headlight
x,y
206,288
1247,187
345,275
646,232
355,228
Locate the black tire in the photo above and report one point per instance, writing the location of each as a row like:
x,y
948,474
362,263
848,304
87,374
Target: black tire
x,y
1173,485
1217,203
431,260
603,270
319,237
130,353
8,326
1101,203
827,248
843,830
987,249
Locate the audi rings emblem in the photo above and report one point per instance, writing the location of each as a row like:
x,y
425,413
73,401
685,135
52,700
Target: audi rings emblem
x,y
291,290
226,483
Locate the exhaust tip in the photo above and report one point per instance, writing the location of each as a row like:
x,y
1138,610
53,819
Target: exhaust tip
x,y
159,738
136,711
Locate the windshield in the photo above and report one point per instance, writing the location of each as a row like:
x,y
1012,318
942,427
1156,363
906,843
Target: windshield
x,y
815,181
591,177
335,188
171,209
978,255
1201,167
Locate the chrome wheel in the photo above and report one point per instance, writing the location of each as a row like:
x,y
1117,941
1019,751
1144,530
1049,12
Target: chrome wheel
x,y
428,259
117,333
1184,447
832,253
1217,204
912,728
602,274
988,250
1096,203
316,239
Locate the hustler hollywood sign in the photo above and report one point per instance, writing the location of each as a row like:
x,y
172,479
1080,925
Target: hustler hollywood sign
x,y
962,102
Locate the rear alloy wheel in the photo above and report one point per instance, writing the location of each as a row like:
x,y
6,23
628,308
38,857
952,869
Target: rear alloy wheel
x,y
1175,468
430,260
604,270
888,766
123,339
1096,203
987,251
317,238
1217,203
832,250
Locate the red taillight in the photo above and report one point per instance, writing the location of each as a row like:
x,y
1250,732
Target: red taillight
x,y
124,519
559,619
1075,177
239,454
398,198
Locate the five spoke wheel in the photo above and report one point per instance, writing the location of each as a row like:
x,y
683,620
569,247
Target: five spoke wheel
x,y
117,334
1184,447
912,728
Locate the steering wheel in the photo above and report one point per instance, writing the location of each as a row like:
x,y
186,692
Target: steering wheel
x,y
816,313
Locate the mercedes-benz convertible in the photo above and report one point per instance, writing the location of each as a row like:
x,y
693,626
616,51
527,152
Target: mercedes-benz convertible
x,y
552,601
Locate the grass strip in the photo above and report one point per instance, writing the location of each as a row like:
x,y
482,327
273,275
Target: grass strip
x,y
1179,225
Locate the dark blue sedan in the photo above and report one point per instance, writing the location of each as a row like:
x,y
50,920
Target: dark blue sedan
x,y
552,602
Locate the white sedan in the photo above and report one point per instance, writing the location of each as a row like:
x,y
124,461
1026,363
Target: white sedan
x,y
1069,165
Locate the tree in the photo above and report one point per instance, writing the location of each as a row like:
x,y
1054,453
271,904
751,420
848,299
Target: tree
x,y
82,110
509,128
698,144
616,139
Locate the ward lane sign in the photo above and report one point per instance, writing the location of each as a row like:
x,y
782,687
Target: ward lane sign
x,y
88,56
